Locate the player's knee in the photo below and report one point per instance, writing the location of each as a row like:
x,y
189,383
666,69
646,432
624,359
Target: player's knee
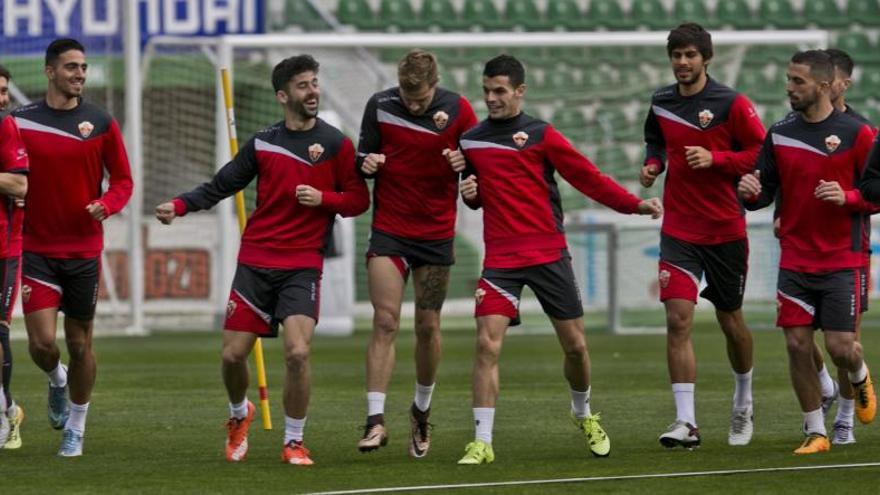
x,y
233,356
576,351
678,322
78,349
488,348
796,345
296,357
427,329
386,323
842,351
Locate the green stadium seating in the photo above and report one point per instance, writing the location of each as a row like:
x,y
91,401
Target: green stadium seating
x,y
300,13
825,14
608,14
483,14
441,14
612,160
571,55
753,84
524,14
398,15
358,13
570,121
531,57
867,85
650,14
690,11
864,12
858,45
736,14
566,14
779,14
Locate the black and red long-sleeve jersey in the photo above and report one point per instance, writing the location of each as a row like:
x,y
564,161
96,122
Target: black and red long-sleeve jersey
x,y
701,205
281,232
515,161
415,191
13,160
69,152
816,235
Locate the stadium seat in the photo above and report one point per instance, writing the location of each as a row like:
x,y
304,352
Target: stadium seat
x,y
612,160
531,56
736,14
441,14
570,55
524,14
358,13
570,121
301,13
858,45
558,83
398,15
825,14
864,12
867,85
690,11
650,14
482,14
779,14
608,14
753,84
566,14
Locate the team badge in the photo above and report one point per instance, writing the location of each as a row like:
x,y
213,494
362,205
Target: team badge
x,y
479,295
85,128
705,117
230,308
664,278
520,138
25,293
832,142
315,151
441,118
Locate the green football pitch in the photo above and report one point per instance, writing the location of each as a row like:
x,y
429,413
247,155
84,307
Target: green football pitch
x,y
157,414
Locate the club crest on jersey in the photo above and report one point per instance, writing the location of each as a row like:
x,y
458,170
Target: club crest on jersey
x,y
705,117
832,142
520,138
441,118
664,278
85,128
25,293
230,308
479,295
315,151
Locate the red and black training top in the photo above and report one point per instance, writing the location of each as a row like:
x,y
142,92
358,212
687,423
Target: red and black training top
x,y
281,232
515,161
415,191
69,152
814,235
13,160
701,206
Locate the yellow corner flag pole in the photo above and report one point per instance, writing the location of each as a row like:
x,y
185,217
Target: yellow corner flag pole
x,y
242,221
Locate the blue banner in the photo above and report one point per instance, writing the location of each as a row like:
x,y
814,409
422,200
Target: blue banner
x,y
28,26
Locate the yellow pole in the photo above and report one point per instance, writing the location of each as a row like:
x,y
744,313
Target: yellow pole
x,y
242,221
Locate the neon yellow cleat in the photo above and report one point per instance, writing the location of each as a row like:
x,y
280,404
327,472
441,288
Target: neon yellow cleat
x,y
477,452
14,439
597,440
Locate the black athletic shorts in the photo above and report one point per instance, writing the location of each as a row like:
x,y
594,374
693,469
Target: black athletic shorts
x,y
682,265
68,284
409,253
829,301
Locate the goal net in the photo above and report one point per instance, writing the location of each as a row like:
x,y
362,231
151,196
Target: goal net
x,y
594,87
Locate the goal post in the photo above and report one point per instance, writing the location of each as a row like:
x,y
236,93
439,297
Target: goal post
x,y
183,119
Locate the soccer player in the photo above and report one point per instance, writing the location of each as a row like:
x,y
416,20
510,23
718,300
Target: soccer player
x,y
815,157
305,171
407,134
13,187
71,143
709,134
512,159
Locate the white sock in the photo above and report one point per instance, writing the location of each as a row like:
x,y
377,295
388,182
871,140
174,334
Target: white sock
x,y
826,382
814,422
2,401
238,411
742,394
423,396
77,419
375,403
58,376
846,408
580,403
484,418
11,409
684,402
860,375
293,429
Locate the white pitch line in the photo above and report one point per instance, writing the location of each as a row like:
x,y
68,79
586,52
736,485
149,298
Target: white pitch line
x,y
599,478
